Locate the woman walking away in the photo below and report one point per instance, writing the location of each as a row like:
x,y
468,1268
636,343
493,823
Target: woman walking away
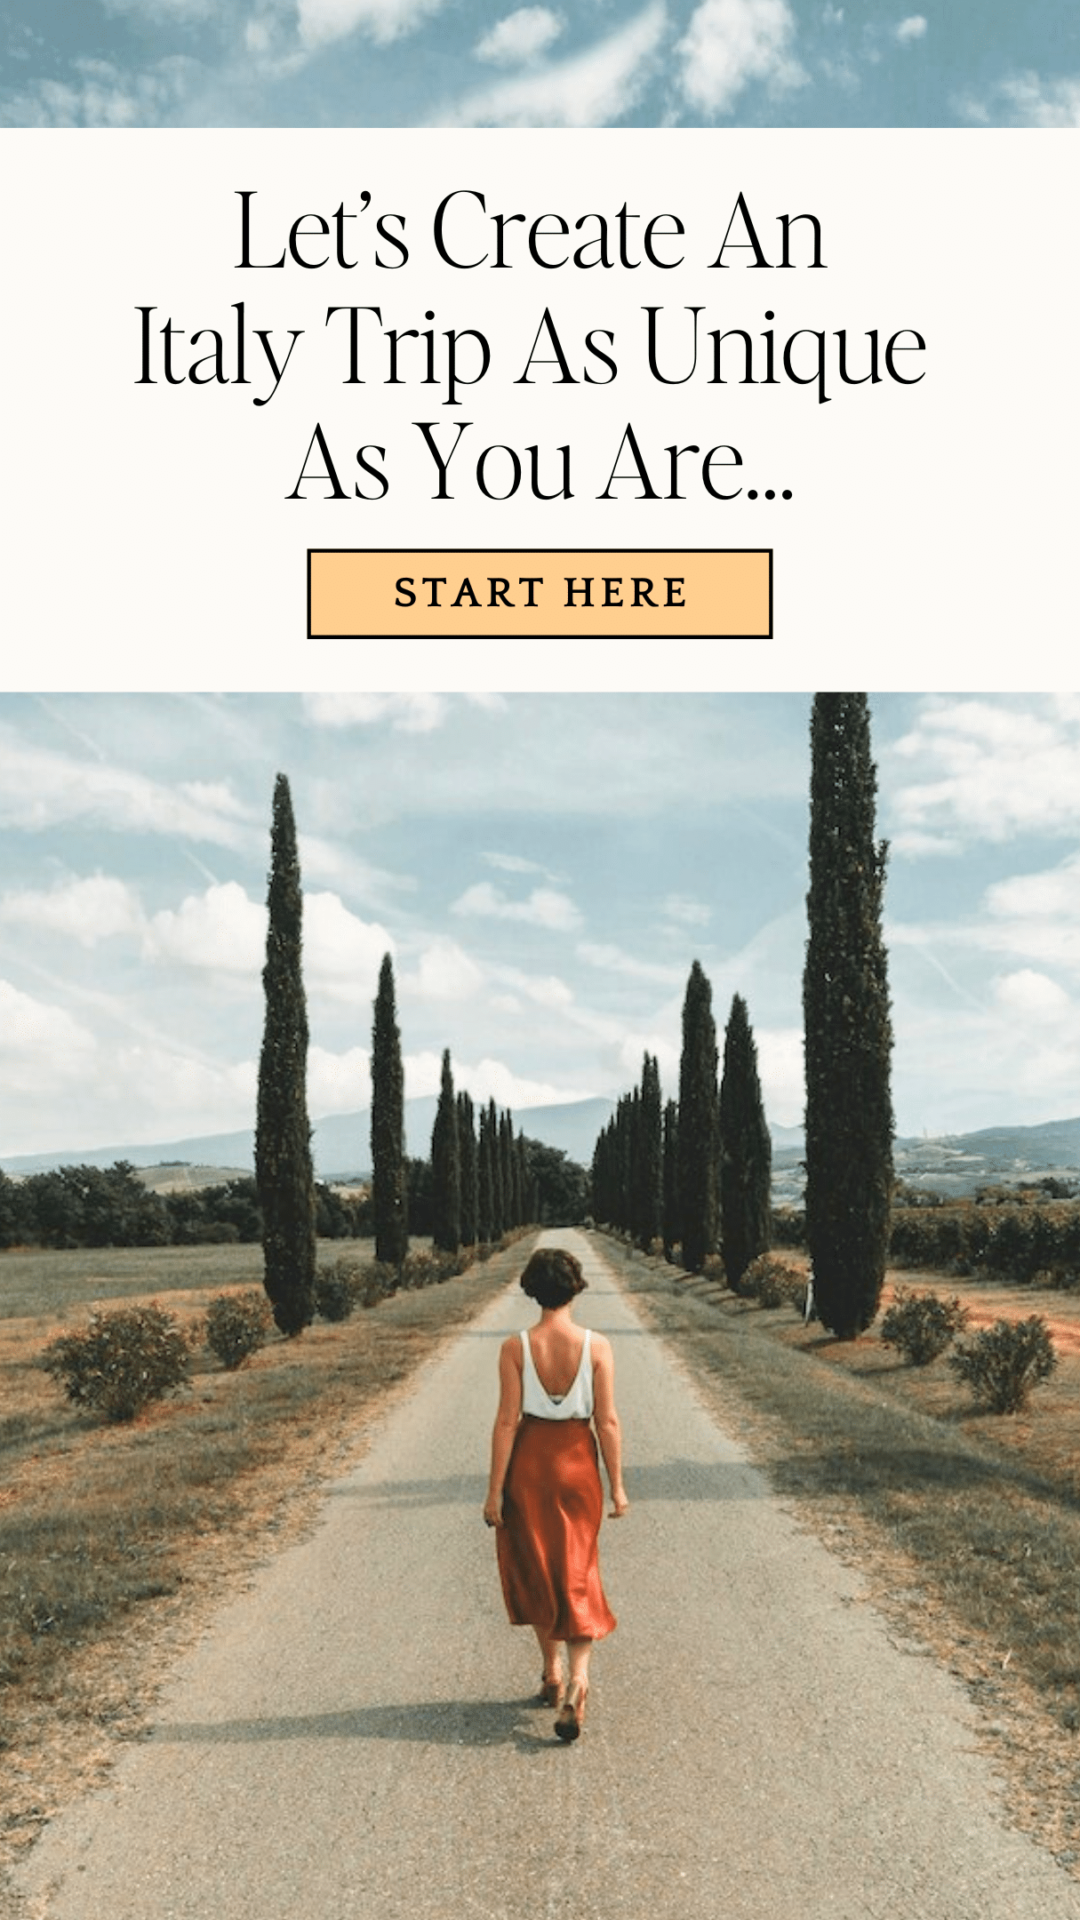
x,y
544,1494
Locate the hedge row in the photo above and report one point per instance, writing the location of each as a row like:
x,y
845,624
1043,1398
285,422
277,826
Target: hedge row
x,y
1019,1243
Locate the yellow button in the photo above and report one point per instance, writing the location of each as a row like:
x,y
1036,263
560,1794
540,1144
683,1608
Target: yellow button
x,y
478,593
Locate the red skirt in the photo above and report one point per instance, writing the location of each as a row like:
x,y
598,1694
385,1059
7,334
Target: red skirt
x,y
547,1546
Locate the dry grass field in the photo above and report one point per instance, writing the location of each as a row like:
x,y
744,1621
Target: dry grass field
x,y
966,1524
115,1539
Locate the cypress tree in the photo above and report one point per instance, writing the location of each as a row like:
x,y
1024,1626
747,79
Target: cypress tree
x,y
446,1167
745,1151
672,1228
699,1146
389,1190
498,1195
283,1167
648,1170
848,1035
506,1162
524,1184
485,1200
469,1170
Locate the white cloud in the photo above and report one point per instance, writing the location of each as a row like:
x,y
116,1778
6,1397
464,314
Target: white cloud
x,y
520,36
322,21
40,1039
585,90
40,788
917,846
512,863
342,953
101,95
103,1092
224,931
408,712
730,43
990,770
780,1067
544,907
405,712
611,959
686,912
221,930
546,990
1032,996
338,1082
1027,100
88,911
913,28
494,1080
444,972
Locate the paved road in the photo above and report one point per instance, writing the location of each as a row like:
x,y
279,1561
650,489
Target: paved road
x,y
353,1736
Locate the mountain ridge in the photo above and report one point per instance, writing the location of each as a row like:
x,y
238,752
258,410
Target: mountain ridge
x,y
954,1163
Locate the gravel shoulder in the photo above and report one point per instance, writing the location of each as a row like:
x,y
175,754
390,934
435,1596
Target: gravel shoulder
x,y
354,1733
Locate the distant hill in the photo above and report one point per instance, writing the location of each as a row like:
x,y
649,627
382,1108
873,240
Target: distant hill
x,y
952,1164
340,1142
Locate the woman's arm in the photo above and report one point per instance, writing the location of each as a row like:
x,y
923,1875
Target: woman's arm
x,y
505,1428
608,1430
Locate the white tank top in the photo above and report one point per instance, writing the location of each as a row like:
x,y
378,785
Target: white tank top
x,y
575,1405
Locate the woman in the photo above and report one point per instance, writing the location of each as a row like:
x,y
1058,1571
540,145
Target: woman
x,y
544,1494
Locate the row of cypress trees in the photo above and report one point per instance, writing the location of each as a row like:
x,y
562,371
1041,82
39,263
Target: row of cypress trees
x,y
481,1184
713,1189
696,1172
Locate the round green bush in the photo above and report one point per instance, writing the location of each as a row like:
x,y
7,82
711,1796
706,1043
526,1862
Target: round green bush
x,y
126,1358
237,1324
922,1325
1004,1362
772,1283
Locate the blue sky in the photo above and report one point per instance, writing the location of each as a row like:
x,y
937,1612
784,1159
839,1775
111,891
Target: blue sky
x,y
544,869
786,63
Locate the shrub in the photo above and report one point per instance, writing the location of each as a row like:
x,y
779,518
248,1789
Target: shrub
x,y
1004,1362
343,1287
712,1268
336,1291
921,1325
773,1284
126,1358
237,1324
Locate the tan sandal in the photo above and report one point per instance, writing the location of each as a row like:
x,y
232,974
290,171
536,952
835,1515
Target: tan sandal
x,y
572,1713
551,1691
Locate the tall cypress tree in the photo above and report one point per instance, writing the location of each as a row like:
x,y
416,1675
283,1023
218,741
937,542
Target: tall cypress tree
x,y
498,1196
389,1190
485,1178
699,1145
283,1168
446,1166
745,1151
469,1169
848,1035
648,1173
672,1226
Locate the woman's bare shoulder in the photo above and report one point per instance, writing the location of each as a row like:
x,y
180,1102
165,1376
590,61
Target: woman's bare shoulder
x,y
601,1348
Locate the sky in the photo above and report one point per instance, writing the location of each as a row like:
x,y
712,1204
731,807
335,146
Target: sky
x,y
543,868
351,63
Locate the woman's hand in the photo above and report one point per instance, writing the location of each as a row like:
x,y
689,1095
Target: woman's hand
x,y
493,1513
619,1504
